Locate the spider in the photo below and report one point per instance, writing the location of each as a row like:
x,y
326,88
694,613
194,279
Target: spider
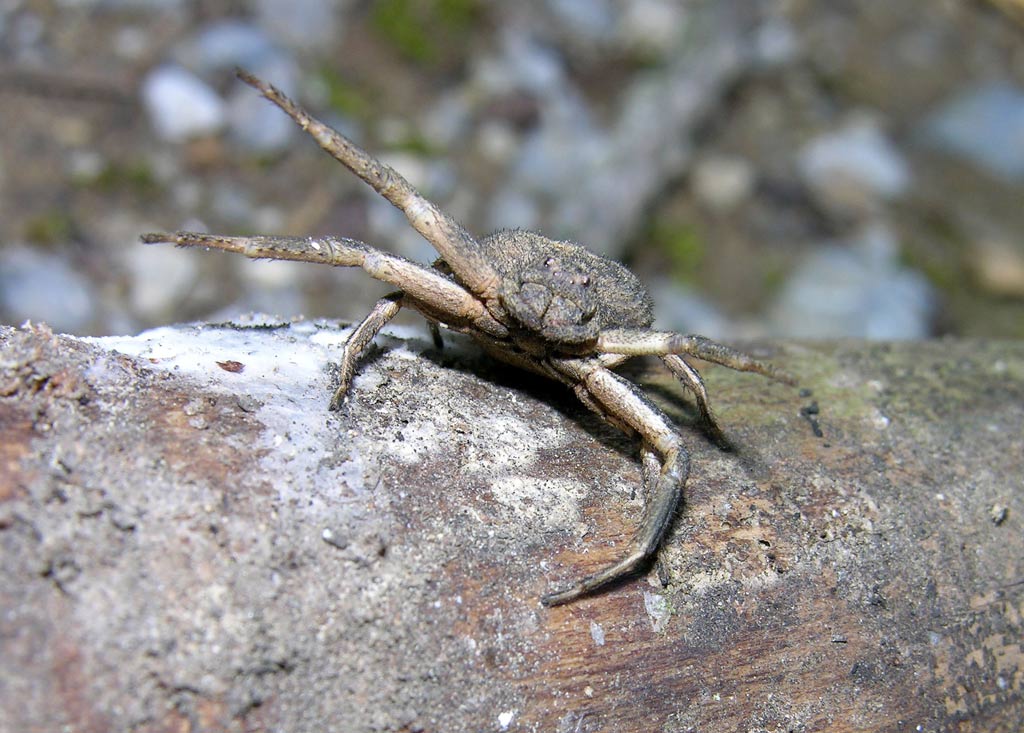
x,y
546,306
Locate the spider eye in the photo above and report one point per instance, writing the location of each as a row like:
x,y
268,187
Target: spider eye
x,y
585,282
549,262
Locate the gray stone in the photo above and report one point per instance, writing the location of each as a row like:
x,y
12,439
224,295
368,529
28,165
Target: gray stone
x,y
985,125
856,155
222,45
39,286
855,290
180,104
303,24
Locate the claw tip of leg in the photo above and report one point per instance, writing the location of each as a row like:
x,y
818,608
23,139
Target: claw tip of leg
x,y
558,598
246,76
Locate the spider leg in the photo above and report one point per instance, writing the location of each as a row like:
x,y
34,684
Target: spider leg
x,y
692,380
620,400
649,464
650,467
426,289
383,311
435,334
455,245
590,402
661,343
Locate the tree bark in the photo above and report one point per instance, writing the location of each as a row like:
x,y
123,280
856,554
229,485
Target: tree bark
x,y
191,541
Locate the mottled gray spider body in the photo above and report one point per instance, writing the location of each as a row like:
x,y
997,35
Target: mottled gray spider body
x,y
547,306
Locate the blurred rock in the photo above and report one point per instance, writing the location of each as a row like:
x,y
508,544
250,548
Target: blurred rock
x,y
303,24
511,209
180,104
218,48
560,151
161,277
497,141
231,202
853,166
722,182
985,125
448,120
132,43
855,290
266,288
618,170
522,66
25,38
681,309
588,20
998,266
652,25
222,45
776,43
43,287
85,166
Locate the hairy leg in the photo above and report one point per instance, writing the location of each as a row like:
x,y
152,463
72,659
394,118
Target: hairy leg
x,y
383,311
422,284
692,380
455,245
624,404
435,334
637,342
649,464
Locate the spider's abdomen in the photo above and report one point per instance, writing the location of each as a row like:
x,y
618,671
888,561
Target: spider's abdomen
x,y
562,291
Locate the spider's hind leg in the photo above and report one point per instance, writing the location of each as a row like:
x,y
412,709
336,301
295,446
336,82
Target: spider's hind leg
x,y
624,405
383,311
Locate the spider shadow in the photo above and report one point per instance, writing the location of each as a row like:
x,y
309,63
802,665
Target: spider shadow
x,y
540,389
671,398
681,409
459,353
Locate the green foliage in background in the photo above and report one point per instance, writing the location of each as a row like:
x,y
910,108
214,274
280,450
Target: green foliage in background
x,y
682,245
422,30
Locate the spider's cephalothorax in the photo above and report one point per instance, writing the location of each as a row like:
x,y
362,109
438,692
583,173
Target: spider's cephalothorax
x,y
554,300
548,306
559,294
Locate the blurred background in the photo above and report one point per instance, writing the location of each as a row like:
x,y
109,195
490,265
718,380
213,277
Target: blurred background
x,y
840,168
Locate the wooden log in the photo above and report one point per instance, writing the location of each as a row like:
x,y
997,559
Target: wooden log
x,y
191,541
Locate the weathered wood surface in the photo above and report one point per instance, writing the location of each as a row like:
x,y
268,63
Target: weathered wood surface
x,y
164,566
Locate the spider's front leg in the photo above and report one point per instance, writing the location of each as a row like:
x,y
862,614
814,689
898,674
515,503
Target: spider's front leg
x,y
383,311
455,245
425,289
613,396
640,342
